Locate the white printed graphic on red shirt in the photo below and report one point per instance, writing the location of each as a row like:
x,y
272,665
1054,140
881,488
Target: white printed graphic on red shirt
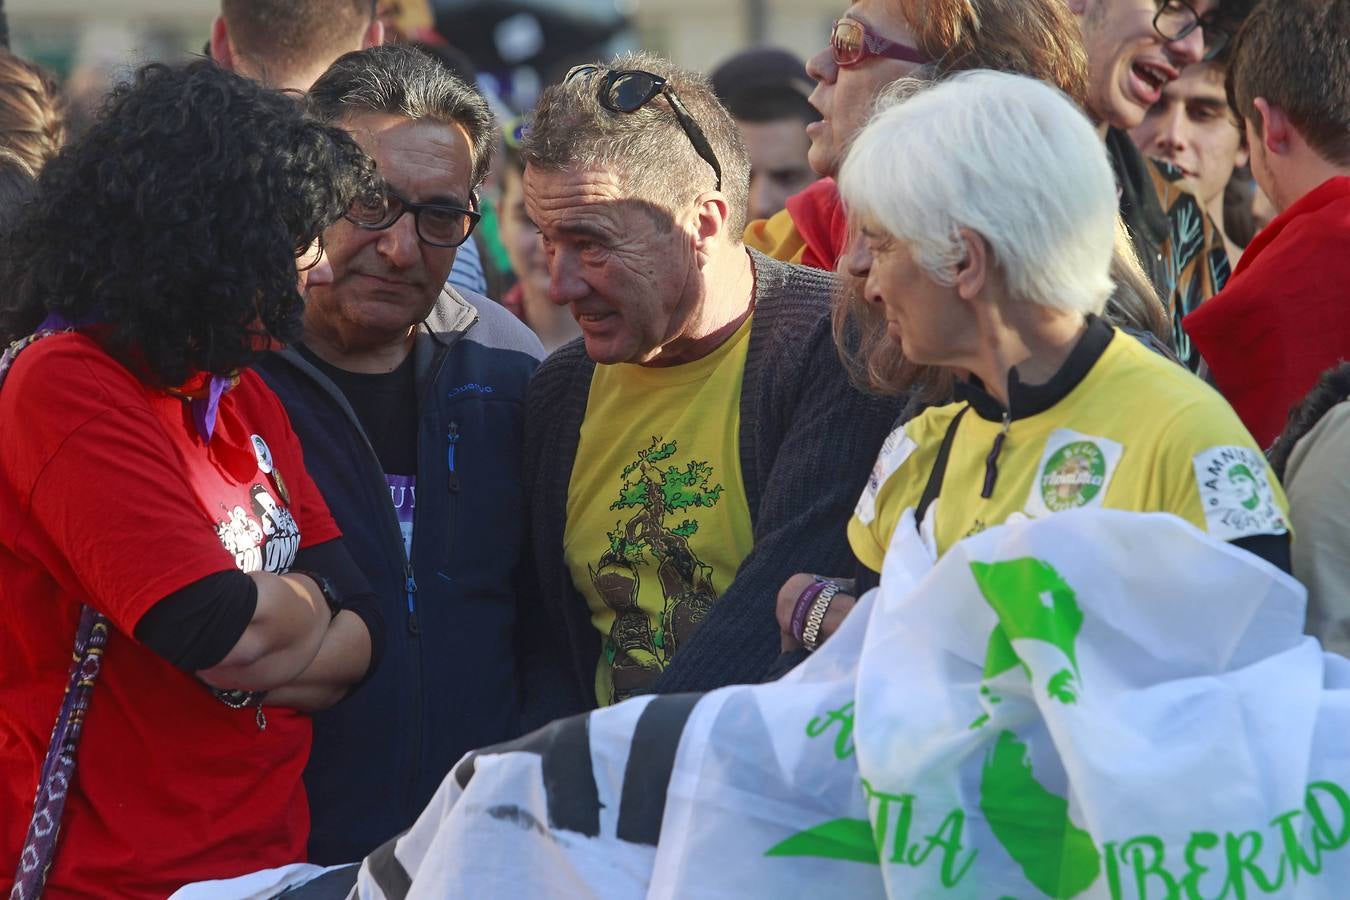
x,y
264,539
263,453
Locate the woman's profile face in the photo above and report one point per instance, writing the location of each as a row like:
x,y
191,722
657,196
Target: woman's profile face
x,y
924,318
845,95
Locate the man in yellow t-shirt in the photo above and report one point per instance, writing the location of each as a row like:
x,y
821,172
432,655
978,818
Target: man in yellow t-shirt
x,y
657,520
673,456
1118,427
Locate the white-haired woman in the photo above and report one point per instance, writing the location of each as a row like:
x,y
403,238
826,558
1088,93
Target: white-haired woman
x,y
985,267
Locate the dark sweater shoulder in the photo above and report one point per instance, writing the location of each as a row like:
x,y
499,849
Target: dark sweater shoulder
x,y
792,293
554,375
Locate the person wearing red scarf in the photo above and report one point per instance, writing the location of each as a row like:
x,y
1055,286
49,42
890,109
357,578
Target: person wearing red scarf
x,y
1282,320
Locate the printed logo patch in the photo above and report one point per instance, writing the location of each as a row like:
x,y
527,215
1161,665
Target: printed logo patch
x,y
1236,493
896,449
470,388
1074,472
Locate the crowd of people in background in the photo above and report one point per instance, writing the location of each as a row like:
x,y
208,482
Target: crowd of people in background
x,y
351,422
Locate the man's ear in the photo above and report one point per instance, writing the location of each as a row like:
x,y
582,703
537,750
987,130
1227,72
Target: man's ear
x,y
713,217
221,51
1275,129
374,35
972,272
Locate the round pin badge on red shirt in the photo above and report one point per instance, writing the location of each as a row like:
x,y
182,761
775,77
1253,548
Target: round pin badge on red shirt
x,y
260,450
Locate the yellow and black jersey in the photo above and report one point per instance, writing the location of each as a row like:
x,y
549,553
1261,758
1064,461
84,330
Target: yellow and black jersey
x,y
1118,427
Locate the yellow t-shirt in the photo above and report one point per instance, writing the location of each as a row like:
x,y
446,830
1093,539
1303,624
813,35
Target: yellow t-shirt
x,y
657,520
776,237
1137,433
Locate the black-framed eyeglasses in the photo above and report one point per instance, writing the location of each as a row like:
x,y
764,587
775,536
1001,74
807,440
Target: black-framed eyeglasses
x,y
628,90
1177,18
851,43
437,224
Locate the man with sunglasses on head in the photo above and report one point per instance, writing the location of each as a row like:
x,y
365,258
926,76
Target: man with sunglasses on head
x,y
701,442
413,435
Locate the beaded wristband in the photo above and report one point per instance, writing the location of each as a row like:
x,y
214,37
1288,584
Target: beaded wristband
x,y
816,617
803,604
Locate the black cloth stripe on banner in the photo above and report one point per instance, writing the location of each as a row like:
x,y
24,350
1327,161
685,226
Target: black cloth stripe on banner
x,y
388,872
651,758
564,749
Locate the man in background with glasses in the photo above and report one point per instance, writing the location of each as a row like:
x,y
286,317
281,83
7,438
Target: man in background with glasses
x,y
701,442
414,437
1135,49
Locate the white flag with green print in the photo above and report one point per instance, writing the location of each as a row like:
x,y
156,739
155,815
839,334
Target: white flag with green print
x,y
1096,704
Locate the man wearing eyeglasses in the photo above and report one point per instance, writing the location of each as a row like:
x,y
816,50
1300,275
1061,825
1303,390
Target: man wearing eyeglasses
x,y
413,436
1136,48
701,442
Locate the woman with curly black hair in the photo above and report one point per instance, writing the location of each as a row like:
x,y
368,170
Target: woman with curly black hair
x,y
157,260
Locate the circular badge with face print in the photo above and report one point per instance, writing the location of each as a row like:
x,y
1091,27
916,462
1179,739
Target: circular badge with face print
x,y
1072,476
264,454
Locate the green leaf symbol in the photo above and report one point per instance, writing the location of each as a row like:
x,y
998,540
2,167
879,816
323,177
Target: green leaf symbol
x,y
1033,824
1061,687
846,839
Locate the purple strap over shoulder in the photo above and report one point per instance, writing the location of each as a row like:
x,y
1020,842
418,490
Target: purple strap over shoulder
x,y
58,768
204,409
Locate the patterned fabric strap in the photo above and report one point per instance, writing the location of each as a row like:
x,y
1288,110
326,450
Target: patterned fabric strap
x,y
58,768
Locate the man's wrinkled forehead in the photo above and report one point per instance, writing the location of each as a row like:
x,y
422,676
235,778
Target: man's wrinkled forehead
x,y
582,199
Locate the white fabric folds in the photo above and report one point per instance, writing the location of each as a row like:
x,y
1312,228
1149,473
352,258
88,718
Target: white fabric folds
x,y
1097,704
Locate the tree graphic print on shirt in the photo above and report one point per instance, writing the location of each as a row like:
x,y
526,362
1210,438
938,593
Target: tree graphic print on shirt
x,y
640,643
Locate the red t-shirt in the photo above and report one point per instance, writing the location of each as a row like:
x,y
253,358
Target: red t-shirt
x,y
109,496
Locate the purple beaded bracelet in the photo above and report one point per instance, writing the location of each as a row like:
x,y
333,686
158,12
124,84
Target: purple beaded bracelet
x,y
808,596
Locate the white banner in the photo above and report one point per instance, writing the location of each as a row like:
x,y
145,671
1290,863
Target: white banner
x,y
1096,704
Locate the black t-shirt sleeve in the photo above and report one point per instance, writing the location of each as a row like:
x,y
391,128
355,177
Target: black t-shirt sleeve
x,y
197,626
1273,548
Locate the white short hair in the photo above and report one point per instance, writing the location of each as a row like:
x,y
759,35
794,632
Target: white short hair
x,y
1005,156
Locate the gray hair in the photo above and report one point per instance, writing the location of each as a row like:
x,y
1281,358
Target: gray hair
x,y
647,150
973,152
399,80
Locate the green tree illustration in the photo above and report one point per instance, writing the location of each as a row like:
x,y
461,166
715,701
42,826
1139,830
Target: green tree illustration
x,y
660,490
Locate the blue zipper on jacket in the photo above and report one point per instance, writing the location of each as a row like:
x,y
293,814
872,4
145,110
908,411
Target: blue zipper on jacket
x,y
411,585
452,437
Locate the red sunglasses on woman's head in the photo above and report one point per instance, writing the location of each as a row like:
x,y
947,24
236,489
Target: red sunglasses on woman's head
x,y
851,43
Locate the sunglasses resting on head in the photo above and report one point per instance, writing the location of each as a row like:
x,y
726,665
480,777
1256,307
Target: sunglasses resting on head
x,y
628,90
